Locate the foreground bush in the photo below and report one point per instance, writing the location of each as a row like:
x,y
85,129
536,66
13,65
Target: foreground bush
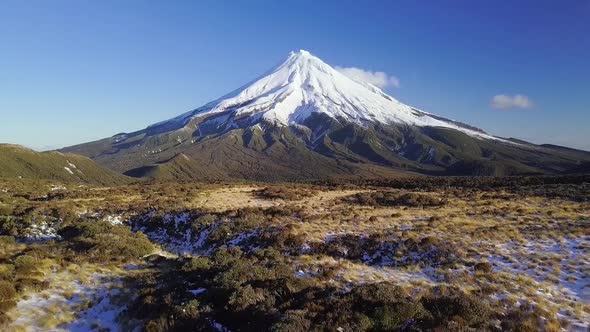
x,y
388,198
259,292
285,193
102,241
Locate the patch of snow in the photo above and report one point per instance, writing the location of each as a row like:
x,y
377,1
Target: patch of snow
x,y
571,283
69,170
42,231
220,328
58,187
173,233
102,316
29,312
242,237
121,138
176,234
197,291
574,251
305,248
301,273
71,165
431,153
114,220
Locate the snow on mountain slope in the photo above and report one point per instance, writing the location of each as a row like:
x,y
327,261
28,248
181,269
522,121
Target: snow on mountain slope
x,y
303,85
305,120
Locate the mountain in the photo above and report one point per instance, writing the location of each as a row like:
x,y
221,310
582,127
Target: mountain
x,y
305,120
17,161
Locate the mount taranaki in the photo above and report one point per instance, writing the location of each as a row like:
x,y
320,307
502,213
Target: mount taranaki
x,y
305,120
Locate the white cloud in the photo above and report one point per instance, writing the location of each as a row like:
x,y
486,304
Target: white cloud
x,y
377,78
505,102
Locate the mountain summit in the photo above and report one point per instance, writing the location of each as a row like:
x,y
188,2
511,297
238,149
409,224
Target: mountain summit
x,y
304,85
305,120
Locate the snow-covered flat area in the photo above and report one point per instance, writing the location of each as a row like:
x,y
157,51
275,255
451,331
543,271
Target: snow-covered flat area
x,y
566,263
548,272
560,269
70,304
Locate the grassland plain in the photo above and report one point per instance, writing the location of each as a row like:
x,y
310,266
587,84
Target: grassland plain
x,y
409,254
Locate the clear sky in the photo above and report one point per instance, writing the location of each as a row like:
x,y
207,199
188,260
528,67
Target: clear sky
x,y
75,71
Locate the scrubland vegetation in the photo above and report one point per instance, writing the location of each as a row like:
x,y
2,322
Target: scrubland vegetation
x,y
410,254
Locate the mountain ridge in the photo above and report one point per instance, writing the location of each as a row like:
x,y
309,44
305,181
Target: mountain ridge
x,y
303,119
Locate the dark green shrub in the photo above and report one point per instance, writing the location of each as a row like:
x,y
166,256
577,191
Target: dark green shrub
x,y
469,308
9,226
245,296
188,310
388,198
203,221
383,292
196,264
393,316
220,234
285,193
522,319
103,242
292,321
25,264
226,256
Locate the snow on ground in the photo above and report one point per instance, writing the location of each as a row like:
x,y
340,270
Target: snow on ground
x,y
241,238
220,328
197,291
171,233
572,257
55,187
101,316
561,269
114,219
176,235
71,165
69,170
42,230
60,308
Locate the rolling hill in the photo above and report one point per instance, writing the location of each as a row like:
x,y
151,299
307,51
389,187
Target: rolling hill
x,y
19,162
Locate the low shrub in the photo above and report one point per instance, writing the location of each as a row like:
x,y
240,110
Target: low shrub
x,y
7,240
103,241
25,264
390,198
285,193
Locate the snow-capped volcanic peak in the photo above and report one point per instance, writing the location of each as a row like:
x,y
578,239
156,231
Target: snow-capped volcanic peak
x,y
303,85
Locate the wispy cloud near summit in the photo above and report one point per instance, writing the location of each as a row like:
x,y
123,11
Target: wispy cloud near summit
x,y
377,78
505,102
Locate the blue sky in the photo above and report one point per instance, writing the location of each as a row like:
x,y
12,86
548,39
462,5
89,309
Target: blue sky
x,y
75,71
